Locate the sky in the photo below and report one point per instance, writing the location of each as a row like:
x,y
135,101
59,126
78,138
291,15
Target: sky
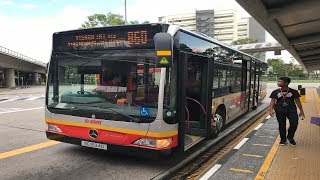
x,y
26,26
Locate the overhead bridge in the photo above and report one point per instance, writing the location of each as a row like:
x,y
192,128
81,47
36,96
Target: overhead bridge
x,y
19,70
259,47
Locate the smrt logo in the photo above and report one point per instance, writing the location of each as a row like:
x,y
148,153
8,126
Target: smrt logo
x,y
93,121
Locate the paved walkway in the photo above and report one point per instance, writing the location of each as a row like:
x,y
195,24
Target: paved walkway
x,y
259,156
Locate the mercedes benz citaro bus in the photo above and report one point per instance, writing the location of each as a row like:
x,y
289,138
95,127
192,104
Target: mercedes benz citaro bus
x,y
152,86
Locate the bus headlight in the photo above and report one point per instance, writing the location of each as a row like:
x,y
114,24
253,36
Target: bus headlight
x,y
146,142
54,128
156,143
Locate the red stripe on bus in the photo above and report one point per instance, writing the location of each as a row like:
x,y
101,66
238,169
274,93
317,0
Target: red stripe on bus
x,y
108,137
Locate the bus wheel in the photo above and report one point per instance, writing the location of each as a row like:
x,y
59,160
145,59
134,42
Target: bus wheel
x,y
218,124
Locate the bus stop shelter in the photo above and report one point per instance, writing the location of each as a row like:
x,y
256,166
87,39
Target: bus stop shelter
x,y
295,24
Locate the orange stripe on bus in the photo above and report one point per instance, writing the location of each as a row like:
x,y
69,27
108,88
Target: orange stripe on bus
x,y
121,130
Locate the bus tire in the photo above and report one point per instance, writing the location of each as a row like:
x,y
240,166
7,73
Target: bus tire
x,y
219,121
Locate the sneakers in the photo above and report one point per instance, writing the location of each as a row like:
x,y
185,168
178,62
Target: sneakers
x,y
292,142
283,142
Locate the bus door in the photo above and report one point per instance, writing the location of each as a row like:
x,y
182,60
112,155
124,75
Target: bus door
x,y
259,83
251,82
253,85
256,85
197,102
246,87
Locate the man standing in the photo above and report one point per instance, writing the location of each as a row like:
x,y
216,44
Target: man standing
x,y
285,101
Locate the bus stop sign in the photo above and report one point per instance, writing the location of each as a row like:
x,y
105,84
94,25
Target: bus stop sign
x,y
164,45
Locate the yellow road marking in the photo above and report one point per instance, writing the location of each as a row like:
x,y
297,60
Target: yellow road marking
x,y
267,162
260,145
317,99
252,155
241,170
27,149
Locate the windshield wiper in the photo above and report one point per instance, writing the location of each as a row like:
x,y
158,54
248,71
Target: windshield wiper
x,y
74,107
130,117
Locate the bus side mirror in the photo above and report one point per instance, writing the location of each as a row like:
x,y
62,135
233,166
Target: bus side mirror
x,y
164,48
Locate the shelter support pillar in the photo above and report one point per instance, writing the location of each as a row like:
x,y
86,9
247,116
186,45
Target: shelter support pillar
x,y
35,78
9,78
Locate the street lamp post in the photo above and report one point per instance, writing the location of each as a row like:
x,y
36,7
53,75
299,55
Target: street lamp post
x,y
125,12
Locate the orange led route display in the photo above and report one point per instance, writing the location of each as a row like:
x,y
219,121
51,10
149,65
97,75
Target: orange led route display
x,y
121,37
110,40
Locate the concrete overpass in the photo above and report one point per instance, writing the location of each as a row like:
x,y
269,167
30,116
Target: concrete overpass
x,y
295,24
259,47
17,69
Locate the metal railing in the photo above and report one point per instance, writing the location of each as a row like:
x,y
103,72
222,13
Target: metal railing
x,y
14,54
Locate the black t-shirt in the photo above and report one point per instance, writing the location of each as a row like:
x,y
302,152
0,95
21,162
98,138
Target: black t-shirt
x,y
286,96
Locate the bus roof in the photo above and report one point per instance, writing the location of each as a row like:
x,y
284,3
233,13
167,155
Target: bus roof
x,y
212,40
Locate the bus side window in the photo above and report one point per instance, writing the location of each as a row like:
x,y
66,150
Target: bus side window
x,y
223,78
230,78
236,81
224,84
215,84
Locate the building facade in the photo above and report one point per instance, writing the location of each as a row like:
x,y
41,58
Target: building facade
x,y
187,21
225,26
250,28
222,25
205,22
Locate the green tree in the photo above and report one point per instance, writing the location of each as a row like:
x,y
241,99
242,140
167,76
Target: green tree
x,y
297,72
137,22
281,69
134,22
277,65
97,20
244,41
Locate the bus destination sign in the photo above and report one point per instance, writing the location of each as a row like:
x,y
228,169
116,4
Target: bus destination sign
x,y
110,40
99,39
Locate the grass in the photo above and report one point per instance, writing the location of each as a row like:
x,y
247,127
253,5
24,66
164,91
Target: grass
x,y
301,81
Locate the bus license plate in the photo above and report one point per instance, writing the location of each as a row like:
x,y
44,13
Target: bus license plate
x,y
94,145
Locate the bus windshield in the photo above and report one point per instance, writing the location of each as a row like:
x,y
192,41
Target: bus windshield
x,y
118,85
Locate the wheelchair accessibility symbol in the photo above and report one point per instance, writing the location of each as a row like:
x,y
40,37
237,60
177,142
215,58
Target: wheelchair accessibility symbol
x,y
144,111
